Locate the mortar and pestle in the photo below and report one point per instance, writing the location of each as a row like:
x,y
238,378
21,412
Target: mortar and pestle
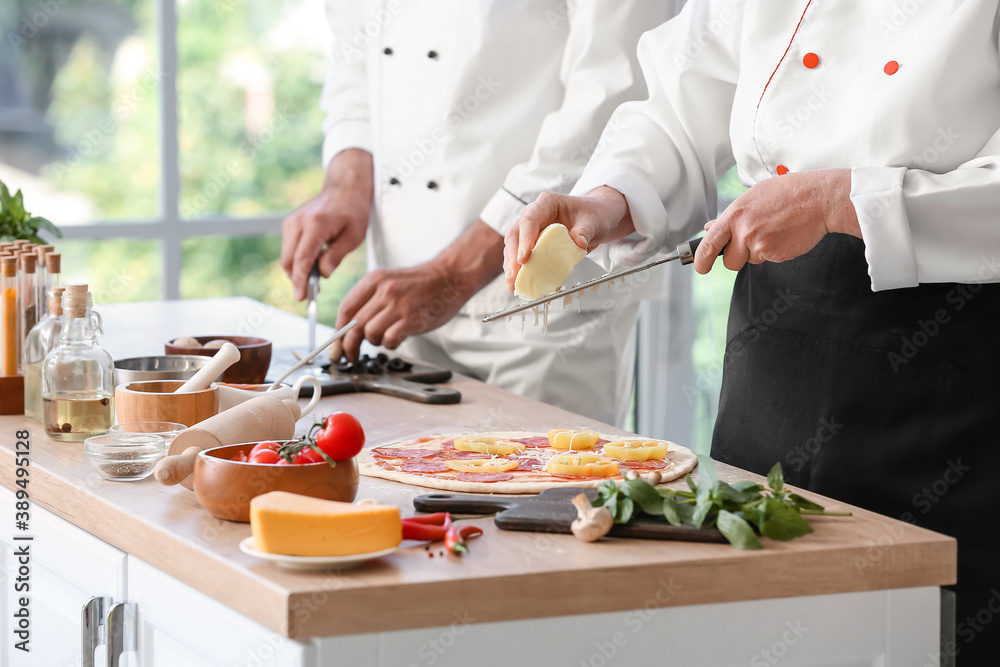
x,y
267,415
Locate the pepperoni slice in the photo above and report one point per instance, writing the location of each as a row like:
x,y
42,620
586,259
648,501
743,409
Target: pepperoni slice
x,y
448,444
393,453
534,441
642,465
423,466
456,454
484,476
529,464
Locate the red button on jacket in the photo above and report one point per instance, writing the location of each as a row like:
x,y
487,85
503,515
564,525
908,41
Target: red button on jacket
x,y
810,60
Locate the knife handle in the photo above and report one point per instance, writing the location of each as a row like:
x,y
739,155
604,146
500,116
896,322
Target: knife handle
x,y
686,250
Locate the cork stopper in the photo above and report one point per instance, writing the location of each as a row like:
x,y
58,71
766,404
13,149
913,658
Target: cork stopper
x,y
28,262
55,300
76,299
9,266
42,251
53,262
20,243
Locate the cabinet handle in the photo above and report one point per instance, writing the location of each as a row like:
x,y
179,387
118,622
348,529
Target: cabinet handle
x,y
91,622
121,631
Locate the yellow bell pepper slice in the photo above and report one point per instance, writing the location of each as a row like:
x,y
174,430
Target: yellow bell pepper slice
x,y
563,438
485,445
636,450
586,464
482,465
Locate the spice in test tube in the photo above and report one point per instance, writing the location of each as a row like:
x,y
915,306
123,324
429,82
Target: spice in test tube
x,y
8,303
27,292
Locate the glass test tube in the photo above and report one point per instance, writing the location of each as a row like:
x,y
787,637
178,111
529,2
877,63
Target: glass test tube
x,y
27,291
9,324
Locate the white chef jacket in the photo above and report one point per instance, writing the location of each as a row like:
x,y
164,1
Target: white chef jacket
x,y
471,108
905,94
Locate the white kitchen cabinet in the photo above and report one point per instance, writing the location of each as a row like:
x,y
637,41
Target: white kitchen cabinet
x,y
178,625
67,567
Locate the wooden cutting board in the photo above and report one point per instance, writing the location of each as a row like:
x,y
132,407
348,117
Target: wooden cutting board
x,y
552,511
419,384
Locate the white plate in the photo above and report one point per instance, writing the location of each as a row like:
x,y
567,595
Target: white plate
x,y
313,562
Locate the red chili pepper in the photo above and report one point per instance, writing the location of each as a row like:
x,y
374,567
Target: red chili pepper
x,y
418,528
455,538
437,519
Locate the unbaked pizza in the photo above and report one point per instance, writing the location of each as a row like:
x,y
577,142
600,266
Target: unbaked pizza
x,y
518,462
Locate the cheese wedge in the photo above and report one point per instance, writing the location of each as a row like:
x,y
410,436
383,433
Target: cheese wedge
x,y
294,525
552,260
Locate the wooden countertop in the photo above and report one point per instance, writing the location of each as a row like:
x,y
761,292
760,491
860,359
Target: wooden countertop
x,y
507,575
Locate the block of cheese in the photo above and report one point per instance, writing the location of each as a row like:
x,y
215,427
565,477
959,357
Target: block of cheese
x,y
552,260
294,525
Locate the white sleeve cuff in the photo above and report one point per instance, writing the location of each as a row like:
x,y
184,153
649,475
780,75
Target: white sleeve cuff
x,y
877,195
344,134
502,211
645,207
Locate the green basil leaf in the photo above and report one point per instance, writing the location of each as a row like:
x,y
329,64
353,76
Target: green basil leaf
x,y
805,503
706,472
690,482
725,492
644,495
737,531
747,486
625,510
701,511
672,511
776,479
783,522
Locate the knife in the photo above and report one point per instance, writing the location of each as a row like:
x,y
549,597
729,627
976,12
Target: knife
x,y
684,252
312,293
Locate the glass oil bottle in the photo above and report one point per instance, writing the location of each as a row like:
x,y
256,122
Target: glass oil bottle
x,y
78,375
40,341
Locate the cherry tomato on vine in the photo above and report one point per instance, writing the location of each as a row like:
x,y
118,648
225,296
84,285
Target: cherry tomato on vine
x,y
268,445
265,456
341,437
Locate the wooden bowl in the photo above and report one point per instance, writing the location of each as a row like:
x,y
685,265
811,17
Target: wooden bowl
x,y
255,357
154,401
225,487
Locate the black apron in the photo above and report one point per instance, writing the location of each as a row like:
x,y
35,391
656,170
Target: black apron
x,y
886,400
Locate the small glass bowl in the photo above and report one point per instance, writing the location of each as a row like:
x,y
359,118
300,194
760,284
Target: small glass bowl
x,y
125,457
166,430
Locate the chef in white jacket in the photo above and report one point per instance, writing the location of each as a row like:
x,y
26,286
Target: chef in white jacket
x,y
444,118
861,348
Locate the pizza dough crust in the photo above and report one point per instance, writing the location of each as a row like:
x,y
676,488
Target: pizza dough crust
x,y
682,458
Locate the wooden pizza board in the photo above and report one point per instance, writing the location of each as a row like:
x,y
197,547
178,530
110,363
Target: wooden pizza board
x,y
552,511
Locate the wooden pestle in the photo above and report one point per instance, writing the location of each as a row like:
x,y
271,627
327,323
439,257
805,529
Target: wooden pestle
x,y
259,419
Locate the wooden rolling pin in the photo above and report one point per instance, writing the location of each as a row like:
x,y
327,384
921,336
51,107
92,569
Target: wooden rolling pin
x,y
256,420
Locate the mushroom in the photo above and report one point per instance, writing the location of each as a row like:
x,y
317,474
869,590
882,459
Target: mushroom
x,y
187,341
592,523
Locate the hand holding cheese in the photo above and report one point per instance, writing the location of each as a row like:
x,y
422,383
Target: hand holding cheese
x,y
294,525
552,260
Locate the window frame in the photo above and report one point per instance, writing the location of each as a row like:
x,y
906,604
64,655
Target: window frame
x,y
169,227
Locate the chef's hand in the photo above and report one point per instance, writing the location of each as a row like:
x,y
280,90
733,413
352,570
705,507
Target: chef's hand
x,y
780,219
337,217
599,216
393,304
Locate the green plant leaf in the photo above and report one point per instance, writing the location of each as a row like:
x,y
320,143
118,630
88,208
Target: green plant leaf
x,y
644,495
748,486
690,482
727,493
737,531
706,472
776,479
672,511
782,521
626,508
805,503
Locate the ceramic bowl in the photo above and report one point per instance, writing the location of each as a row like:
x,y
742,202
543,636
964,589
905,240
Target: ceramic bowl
x,y
255,357
154,401
225,487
